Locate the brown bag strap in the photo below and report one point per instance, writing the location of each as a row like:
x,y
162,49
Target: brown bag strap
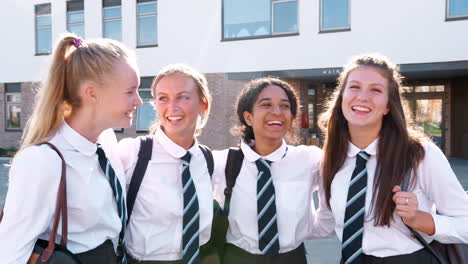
x,y
61,209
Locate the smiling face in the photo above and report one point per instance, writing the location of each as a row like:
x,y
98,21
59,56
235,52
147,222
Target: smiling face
x,y
271,115
365,99
178,105
118,97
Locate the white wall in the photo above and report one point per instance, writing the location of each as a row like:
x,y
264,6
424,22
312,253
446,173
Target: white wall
x,y
190,31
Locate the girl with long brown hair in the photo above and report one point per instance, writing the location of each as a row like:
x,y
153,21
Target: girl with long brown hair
x,y
370,146
92,86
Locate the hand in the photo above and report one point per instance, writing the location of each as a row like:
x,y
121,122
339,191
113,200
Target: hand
x,y
406,206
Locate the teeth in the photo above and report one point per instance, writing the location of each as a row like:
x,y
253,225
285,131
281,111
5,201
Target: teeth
x,y
361,108
275,123
174,118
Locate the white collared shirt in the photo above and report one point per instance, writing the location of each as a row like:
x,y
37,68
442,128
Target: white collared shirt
x,y
155,228
436,185
32,194
295,176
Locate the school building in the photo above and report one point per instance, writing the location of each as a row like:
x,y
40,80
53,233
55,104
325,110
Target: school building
x,y
232,41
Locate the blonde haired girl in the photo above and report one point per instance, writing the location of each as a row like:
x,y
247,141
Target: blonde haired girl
x,y
91,86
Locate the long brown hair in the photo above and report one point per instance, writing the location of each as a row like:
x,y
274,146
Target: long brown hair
x,y
397,139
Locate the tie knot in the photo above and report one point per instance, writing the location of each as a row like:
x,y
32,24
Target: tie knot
x,y
100,151
187,157
362,157
263,164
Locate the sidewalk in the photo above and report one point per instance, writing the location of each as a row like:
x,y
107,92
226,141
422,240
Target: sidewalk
x,y
322,251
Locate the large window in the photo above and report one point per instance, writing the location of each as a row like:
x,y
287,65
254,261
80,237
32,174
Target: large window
x,y
112,19
147,23
334,15
13,106
75,17
146,115
43,29
457,9
243,19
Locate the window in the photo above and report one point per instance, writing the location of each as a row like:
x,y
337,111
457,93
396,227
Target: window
x,y
43,29
147,23
13,106
457,9
112,15
146,115
75,17
334,15
243,19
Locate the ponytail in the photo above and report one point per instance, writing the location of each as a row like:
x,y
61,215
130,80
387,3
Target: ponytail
x,y
73,61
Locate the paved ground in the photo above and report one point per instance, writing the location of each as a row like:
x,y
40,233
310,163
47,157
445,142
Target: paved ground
x,y
323,251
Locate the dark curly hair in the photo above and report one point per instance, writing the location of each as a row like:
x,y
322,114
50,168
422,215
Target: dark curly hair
x,y
249,95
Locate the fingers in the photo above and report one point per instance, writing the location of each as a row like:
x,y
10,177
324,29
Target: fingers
x,y
396,189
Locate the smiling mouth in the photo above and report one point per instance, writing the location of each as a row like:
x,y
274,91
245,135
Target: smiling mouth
x,y
129,114
361,108
275,123
174,118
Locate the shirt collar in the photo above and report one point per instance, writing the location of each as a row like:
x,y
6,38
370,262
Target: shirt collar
x,y
371,149
252,156
172,148
79,142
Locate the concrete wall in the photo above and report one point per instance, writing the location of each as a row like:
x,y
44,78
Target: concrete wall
x,y
190,31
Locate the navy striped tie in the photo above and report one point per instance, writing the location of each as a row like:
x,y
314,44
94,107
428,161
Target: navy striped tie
x,y
268,239
121,206
191,218
353,229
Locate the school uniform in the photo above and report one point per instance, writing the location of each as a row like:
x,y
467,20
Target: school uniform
x,y
436,186
93,221
154,232
294,173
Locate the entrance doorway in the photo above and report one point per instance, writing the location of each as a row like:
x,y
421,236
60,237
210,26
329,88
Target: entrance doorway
x,y
426,104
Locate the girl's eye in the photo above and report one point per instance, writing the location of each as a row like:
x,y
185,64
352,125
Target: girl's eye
x,y
266,105
184,97
377,90
162,98
285,106
354,87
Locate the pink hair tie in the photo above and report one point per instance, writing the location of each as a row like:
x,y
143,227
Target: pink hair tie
x,y
77,42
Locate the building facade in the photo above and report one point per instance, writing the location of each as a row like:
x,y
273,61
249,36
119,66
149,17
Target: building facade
x,y
232,41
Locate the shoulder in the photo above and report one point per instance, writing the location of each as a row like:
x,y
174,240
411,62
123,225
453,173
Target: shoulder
x,y
220,154
431,150
40,161
302,151
129,145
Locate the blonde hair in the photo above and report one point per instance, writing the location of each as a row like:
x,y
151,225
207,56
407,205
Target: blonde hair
x,y
73,62
200,83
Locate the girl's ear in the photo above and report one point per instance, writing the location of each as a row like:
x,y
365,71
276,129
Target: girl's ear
x,y
88,92
247,117
204,107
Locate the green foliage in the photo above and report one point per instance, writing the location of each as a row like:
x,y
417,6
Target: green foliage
x,y
9,152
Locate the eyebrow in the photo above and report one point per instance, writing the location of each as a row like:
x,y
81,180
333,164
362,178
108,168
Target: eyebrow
x,y
269,99
179,93
358,82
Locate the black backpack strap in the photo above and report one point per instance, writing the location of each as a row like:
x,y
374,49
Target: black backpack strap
x,y
233,166
208,157
144,156
404,187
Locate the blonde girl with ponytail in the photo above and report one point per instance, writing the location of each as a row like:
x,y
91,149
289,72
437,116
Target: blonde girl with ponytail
x,y
91,86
